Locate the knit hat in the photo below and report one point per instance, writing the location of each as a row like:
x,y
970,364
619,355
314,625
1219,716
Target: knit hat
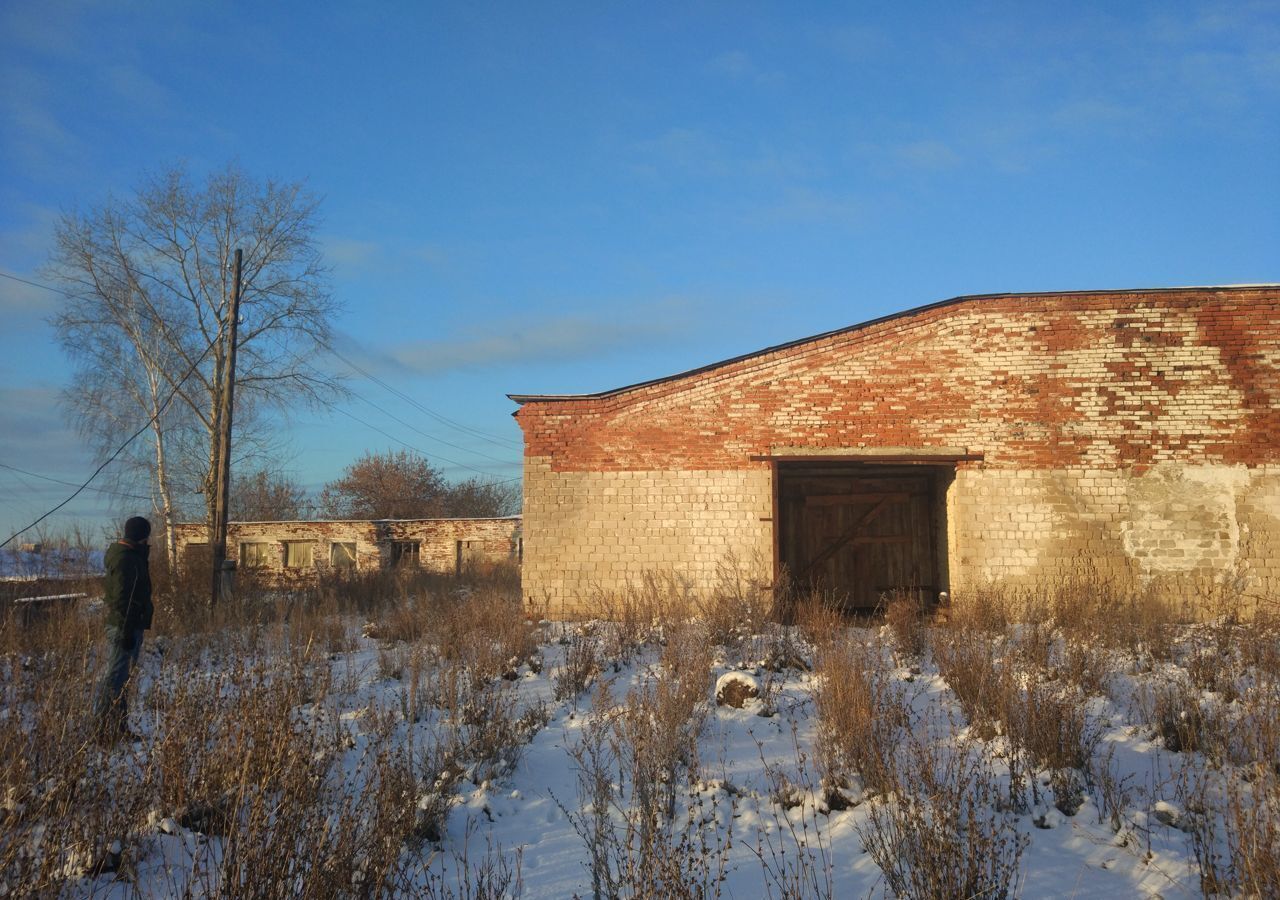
x,y
137,529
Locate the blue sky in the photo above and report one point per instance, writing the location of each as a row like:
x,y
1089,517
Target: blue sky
x,y
562,197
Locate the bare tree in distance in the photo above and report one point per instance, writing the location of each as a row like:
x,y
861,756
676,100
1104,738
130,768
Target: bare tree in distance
x,y
152,282
404,485
265,496
476,498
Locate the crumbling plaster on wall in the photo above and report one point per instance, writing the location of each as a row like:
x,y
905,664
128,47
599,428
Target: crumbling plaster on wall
x,y
1170,520
437,538
1184,518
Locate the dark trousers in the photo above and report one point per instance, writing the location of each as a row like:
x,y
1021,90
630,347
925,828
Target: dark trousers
x,y
123,647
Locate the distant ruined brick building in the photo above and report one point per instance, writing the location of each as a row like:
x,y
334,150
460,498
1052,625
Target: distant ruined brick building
x,y
996,438
282,552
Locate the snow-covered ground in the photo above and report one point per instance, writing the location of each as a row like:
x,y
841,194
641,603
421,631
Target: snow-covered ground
x,y
17,564
748,807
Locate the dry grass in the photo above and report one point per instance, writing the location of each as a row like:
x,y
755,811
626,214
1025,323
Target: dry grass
x,y
738,607
246,746
632,760
942,833
232,757
244,741
1252,833
581,664
907,618
862,714
1007,685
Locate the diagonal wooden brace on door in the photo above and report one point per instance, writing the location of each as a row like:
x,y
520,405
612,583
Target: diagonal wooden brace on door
x,y
867,517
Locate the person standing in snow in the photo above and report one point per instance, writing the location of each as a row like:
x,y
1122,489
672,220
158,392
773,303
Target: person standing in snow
x,y
127,597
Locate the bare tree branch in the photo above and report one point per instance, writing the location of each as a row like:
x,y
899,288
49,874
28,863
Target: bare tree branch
x,y
152,284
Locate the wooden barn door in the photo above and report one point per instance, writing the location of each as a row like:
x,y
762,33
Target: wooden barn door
x,y
860,532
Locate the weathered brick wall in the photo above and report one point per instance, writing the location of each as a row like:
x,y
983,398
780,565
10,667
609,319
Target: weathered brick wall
x,y
499,541
1141,429
598,531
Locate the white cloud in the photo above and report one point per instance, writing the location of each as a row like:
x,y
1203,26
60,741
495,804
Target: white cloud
x,y
525,339
34,433
25,301
32,130
686,148
138,89
855,43
738,65
1094,112
805,205
349,252
430,253
529,342
693,151
23,248
927,154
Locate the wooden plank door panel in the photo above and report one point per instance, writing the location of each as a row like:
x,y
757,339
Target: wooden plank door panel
x,y
859,535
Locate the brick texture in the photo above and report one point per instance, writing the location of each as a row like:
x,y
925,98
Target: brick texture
x,y
490,540
1140,430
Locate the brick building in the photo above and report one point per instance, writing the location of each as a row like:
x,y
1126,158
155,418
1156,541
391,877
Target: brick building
x,y
1005,438
284,551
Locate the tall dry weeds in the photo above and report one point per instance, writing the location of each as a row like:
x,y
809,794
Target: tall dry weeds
x,y
862,713
639,820
943,834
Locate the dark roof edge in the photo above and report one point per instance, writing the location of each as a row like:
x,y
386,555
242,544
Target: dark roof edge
x,y
600,395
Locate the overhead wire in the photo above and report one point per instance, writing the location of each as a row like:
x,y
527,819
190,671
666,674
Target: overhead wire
x,y
100,490
385,412
86,484
46,287
419,450
428,435
439,417
129,440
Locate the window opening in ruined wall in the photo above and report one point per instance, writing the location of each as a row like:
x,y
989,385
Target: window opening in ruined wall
x,y
299,554
342,554
468,554
254,554
197,557
405,553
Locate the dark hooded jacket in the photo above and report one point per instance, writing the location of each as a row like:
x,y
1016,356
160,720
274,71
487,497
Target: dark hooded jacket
x,y
127,587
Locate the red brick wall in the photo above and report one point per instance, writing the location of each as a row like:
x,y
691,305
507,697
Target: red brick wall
x,y
1058,381
1129,432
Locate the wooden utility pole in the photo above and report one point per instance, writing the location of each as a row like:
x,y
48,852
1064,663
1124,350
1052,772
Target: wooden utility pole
x,y
222,478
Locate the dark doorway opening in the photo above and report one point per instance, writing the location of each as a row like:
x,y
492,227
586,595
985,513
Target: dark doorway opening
x,y
863,532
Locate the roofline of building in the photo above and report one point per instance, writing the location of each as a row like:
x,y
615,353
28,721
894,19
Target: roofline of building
x,y
357,521
951,301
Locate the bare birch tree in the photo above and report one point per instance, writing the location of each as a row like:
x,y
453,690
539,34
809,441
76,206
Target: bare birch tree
x,y
151,282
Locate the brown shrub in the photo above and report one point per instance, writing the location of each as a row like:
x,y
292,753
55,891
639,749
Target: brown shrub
x,y
862,713
907,617
942,834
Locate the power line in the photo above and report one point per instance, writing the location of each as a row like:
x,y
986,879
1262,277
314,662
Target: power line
x,y
46,287
100,490
425,434
439,417
110,459
419,450
169,399
506,462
